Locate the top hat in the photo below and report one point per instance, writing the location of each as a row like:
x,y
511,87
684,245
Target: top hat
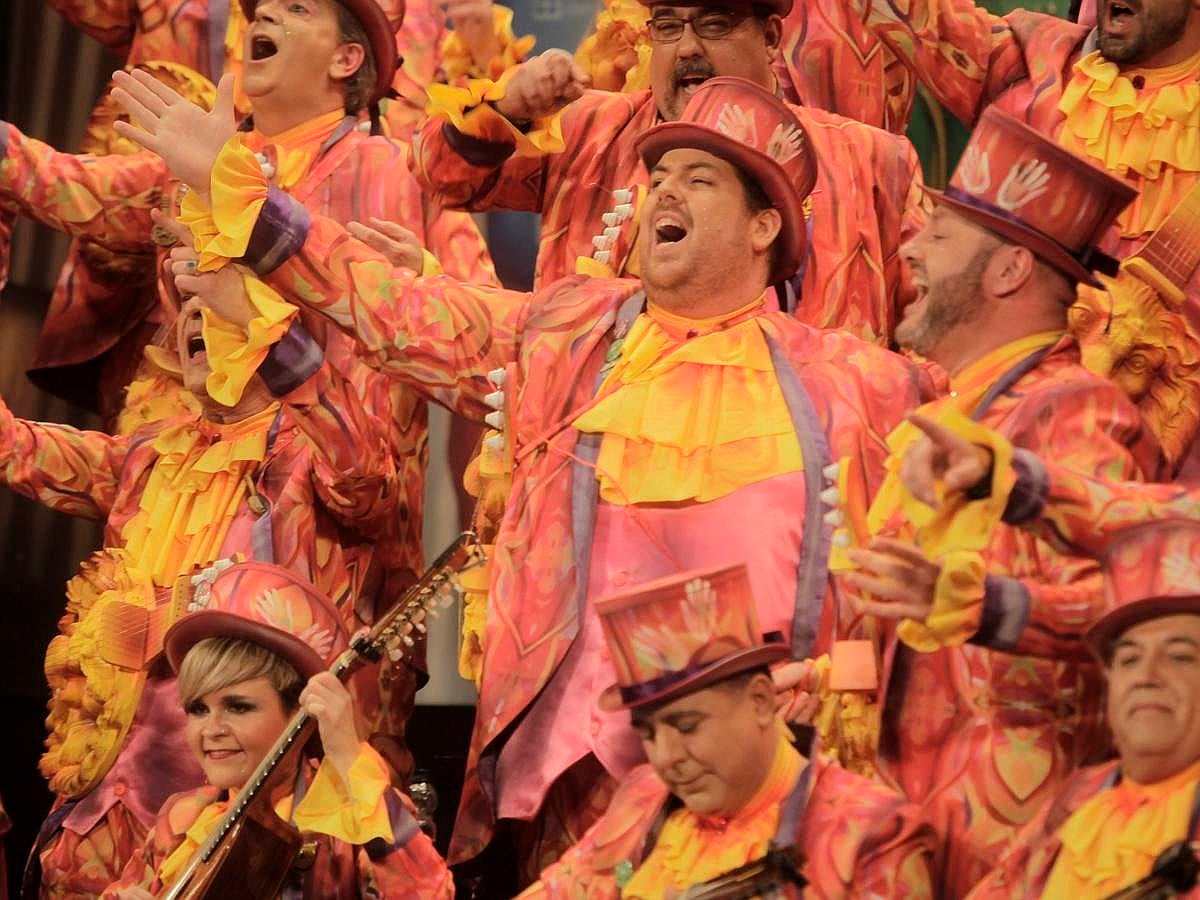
x,y
1022,185
1151,570
750,127
381,19
267,605
675,635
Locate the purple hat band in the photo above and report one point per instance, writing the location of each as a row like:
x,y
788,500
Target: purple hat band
x,y
1092,258
636,693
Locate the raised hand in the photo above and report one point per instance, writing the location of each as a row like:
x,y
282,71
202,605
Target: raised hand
x,y
899,574
395,242
327,700
542,86
796,697
941,456
185,135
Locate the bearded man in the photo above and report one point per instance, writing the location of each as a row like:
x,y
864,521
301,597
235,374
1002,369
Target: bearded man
x,y
522,144
1123,94
991,636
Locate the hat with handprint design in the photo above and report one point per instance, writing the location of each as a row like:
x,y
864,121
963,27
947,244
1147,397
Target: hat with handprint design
x,y
263,603
750,127
678,634
1150,570
381,20
1020,184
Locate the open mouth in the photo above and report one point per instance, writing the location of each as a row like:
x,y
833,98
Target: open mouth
x,y
1120,13
262,47
669,233
195,345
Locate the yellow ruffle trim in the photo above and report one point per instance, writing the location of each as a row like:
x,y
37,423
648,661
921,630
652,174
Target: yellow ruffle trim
x,y
1154,132
469,109
708,410
238,187
617,54
457,61
474,584
957,605
193,493
846,723
92,701
692,848
1113,839
234,353
354,814
155,395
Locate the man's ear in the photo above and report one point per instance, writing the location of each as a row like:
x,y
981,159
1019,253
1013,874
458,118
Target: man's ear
x,y
761,692
765,228
347,59
773,35
1010,269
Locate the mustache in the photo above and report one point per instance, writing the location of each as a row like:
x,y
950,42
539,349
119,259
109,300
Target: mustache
x,y
689,67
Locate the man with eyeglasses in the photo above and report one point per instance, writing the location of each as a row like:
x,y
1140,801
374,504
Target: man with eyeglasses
x,y
537,139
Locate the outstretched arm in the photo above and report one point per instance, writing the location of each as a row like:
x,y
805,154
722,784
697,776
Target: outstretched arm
x,y
72,471
105,198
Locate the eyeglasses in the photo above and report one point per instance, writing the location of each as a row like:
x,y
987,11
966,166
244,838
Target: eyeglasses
x,y
707,26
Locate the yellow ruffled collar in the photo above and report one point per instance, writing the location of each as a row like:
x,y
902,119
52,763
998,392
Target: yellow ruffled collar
x,y
1113,839
1141,122
981,374
692,848
296,149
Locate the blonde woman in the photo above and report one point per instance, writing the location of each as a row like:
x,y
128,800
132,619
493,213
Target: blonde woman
x,y
247,662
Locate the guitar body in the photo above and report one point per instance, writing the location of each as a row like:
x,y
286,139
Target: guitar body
x,y
251,863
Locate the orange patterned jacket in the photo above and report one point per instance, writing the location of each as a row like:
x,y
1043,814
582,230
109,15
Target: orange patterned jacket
x,y
984,733
446,338
866,203
857,837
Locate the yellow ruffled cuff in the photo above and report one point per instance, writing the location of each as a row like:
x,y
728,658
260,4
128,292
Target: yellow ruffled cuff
x,y
471,112
957,605
356,812
234,354
238,189
960,523
457,61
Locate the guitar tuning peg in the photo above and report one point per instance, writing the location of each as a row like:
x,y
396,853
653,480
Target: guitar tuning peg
x,y
421,627
407,640
395,654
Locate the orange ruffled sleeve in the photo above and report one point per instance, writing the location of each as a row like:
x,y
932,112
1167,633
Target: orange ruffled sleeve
x,y
469,109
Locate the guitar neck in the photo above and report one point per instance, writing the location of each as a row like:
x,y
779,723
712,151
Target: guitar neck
x,y
1173,252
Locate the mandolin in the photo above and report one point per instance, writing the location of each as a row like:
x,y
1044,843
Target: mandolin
x,y
251,850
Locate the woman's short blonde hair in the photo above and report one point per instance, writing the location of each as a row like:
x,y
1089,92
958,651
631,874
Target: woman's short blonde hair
x,y
217,662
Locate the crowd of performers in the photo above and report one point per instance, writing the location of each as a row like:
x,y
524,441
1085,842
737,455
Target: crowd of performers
x,y
782,445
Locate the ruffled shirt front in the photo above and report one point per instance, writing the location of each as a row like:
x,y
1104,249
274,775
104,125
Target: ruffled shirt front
x,y
1143,123
194,491
1113,839
692,848
691,411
